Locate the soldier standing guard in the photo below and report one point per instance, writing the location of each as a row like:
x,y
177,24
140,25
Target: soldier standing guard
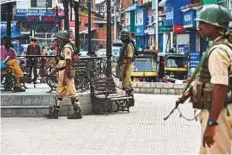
x,y
65,86
126,58
213,83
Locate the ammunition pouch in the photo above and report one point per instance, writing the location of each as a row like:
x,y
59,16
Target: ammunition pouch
x,y
72,73
197,99
203,96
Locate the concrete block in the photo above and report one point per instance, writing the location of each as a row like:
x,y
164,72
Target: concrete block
x,y
144,85
164,91
179,91
168,85
147,90
171,91
6,112
38,105
159,85
10,100
135,84
24,112
179,86
156,91
153,85
137,90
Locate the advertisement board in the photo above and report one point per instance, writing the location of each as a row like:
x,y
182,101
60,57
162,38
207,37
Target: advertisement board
x,y
14,29
139,17
189,19
35,12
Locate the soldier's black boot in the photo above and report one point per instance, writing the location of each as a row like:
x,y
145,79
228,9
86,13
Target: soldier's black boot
x,y
53,113
77,110
130,92
76,115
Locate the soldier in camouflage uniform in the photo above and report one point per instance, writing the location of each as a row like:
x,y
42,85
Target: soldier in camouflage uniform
x,y
66,86
212,85
126,57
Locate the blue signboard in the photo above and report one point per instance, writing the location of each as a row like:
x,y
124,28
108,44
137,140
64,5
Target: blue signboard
x,y
172,9
184,48
14,29
139,30
35,12
169,16
140,21
189,18
195,58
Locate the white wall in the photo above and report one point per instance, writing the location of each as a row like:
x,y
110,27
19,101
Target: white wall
x,y
26,4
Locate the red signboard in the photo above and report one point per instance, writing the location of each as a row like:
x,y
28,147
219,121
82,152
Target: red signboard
x,y
41,18
178,29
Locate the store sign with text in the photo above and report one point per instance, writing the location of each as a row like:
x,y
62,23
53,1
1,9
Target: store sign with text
x,y
189,18
35,12
169,16
178,29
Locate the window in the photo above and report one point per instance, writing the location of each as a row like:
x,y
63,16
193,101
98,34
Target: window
x,y
41,3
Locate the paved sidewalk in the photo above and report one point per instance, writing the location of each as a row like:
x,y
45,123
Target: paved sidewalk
x,y
142,131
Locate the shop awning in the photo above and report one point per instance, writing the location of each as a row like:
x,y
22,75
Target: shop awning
x,y
131,8
7,1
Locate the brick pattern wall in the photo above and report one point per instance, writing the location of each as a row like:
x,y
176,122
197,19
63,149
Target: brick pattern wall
x,y
157,88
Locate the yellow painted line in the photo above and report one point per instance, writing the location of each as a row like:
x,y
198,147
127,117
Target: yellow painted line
x,y
150,74
176,69
138,74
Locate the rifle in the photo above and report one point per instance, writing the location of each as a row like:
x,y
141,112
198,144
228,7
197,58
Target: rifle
x,y
188,89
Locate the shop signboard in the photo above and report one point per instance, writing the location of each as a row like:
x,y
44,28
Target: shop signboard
x,y
35,12
178,29
139,20
14,29
163,29
127,18
195,58
169,12
183,49
189,19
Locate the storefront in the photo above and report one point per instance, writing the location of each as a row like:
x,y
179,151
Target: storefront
x,y
39,23
15,32
189,24
178,38
150,31
140,27
130,18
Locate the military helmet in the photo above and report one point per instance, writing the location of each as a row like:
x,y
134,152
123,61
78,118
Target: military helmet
x,y
125,32
215,15
63,34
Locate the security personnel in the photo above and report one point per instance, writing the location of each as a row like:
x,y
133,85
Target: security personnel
x,y
125,60
66,86
211,87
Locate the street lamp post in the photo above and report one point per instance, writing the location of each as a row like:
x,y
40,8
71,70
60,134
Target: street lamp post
x,y
9,18
157,24
89,27
108,39
77,16
115,21
66,14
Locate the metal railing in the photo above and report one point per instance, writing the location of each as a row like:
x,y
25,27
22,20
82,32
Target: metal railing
x,y
86,69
